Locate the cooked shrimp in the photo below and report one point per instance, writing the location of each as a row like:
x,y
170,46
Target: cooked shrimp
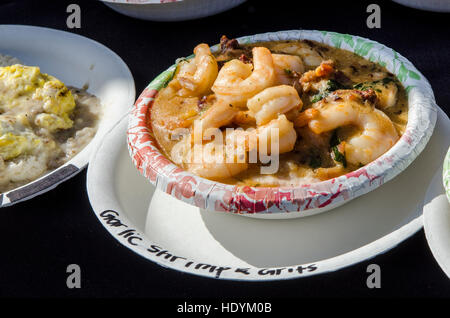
x,y
332,172
225,164
309,56
273,101
347,107
197,75
286,135
305,117
237,82
385,89
386,93
220,113
214,160
217,171
244,118
286,67
261,138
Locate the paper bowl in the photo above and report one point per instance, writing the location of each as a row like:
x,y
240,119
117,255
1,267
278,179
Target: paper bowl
x,y
170,10
287,202
446,174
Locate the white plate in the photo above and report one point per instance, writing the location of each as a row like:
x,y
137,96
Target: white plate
x,y
180,236
436,222
179,10
77,61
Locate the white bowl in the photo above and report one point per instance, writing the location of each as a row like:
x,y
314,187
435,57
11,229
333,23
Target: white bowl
x,y
176,10
429,5
77,61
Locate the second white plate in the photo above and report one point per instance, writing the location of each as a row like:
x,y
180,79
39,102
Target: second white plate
x,y
436,222
77,61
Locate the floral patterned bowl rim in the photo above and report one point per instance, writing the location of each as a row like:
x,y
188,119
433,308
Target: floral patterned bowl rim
x,y
309,198
446,174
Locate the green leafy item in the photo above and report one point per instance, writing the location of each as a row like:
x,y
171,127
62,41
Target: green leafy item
x,y
331,86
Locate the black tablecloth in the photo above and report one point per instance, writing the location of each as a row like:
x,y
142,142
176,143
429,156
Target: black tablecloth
x,y
40,237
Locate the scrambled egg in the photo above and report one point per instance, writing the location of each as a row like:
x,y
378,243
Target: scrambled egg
x,y
30,99
17,139
21,85
13,145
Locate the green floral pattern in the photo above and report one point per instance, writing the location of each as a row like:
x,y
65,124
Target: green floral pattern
x,y
446,174
162,79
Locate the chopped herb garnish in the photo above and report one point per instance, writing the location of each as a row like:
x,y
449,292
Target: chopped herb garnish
x,y
288,71
316,98
359,86
338,156
331,86
372,85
